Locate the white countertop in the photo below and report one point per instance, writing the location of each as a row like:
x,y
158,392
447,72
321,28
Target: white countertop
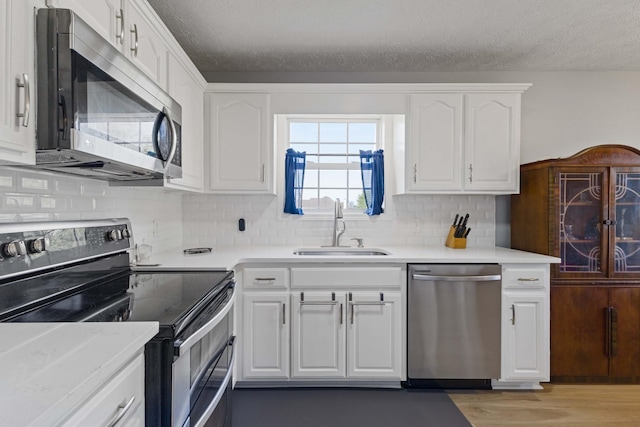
x,y
49,369
227,258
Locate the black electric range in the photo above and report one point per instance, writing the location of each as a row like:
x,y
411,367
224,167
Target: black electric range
x,y
79,272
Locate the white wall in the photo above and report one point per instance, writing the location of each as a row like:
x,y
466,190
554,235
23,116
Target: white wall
x,y
155,214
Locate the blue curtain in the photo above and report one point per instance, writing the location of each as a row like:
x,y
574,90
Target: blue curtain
x,y
294,179
372,170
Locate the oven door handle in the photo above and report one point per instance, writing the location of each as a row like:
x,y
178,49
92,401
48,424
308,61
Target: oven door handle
x,y
223,387
180,346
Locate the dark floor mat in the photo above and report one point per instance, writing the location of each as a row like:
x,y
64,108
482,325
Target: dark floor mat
x,y
344,408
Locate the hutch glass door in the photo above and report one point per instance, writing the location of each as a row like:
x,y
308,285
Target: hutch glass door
x,y
627,225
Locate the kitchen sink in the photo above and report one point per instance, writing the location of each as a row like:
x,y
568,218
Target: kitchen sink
x,y
340,251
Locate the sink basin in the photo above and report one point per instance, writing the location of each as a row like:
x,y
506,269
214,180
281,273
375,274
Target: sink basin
x,y
340,251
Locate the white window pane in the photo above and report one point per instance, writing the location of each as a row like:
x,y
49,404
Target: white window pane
x,y
333,132
303,132
332,194
362,132
356,200
311,202
355,179
333,178
310,178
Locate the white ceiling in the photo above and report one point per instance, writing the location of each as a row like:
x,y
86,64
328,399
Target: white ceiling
x,y
406,35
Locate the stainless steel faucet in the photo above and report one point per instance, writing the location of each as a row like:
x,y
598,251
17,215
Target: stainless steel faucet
x,y
337,215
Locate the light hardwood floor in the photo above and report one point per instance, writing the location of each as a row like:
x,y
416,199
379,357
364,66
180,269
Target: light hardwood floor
x,y
557,405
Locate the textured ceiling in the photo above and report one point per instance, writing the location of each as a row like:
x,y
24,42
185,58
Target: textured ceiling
x,y
406,35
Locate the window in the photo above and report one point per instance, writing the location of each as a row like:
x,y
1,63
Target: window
x,y
333,147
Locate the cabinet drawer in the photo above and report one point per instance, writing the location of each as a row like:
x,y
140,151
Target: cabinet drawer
x,y
125,391
265,278
369,277
524,277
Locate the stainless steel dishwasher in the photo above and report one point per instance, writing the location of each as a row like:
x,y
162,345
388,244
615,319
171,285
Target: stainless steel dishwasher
x,y
453,325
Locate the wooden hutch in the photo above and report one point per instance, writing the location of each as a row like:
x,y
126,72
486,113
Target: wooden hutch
x,y
585,209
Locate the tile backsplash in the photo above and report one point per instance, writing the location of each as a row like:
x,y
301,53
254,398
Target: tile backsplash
x,y
27,195
212,220
170,219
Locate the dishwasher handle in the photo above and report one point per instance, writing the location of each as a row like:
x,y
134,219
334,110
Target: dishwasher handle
x,y
455,278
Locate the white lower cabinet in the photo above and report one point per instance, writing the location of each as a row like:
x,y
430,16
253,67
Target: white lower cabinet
x,y
318,335
527,356
525,325
118,403
266,335
325,323
373,335
346,335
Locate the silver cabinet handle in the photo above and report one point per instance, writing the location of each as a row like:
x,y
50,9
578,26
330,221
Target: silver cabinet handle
x,y
513,314
134,49
263,174
265,279
528,279
27,99
284,308
415,173
120,16
341,314
122,411
318,302
470,172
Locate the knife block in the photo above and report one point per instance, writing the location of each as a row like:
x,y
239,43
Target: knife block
x,y
455,242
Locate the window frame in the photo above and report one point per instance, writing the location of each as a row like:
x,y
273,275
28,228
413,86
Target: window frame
x,y
281,137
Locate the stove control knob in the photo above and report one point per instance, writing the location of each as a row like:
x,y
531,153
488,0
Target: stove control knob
x,y
126,234
14,249
37,246
114,235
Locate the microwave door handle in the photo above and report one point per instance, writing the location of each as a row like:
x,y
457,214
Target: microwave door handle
x,y
157,125
174,139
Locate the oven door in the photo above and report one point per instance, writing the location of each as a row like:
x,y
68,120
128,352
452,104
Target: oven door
x,y
201,372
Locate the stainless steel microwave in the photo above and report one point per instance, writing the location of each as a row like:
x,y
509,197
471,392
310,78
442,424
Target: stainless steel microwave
x,y
98,115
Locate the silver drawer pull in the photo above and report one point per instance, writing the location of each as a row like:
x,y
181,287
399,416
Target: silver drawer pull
x,y
528,279
368,303
265,279
318,302
122,411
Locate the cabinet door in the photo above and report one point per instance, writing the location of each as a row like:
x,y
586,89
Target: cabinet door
x,y
239,133
144,46
582,232
17,81
526,341
373,335
266,335
188,93
104,16
492,142
624,334
625,235
578,333
318,329
434,158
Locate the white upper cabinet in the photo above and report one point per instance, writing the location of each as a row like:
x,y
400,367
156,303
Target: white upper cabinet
x,y
125,24
240,143
463,143
492,142
186,90
17,81
436,142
